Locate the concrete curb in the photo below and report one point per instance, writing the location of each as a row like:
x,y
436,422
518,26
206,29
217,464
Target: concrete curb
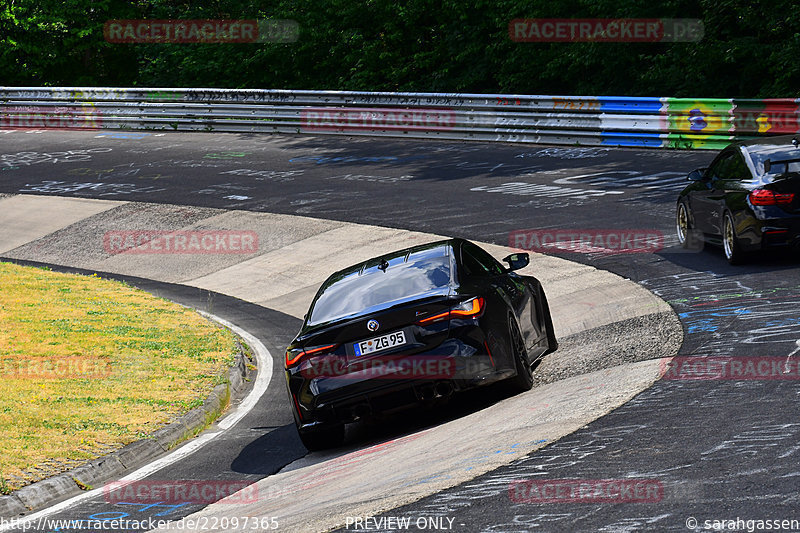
x,y
120,462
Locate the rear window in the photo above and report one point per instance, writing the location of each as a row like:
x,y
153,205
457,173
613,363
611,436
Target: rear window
x,y
404,278
775,154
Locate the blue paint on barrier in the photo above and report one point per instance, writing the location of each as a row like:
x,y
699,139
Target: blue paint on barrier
x,y
649,140
697,119
646,105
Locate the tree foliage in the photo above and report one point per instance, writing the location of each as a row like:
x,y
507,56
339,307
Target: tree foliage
x,y
750,48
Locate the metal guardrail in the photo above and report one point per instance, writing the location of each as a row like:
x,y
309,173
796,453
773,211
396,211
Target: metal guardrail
x,y
573,120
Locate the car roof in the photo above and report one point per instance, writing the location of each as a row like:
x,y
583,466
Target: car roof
x,y
769,145
764,152
397,254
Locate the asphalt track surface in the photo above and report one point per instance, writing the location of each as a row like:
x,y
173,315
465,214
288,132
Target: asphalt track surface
x,y
721,449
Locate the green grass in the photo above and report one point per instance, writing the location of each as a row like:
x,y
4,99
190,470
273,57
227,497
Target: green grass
x,y
89,365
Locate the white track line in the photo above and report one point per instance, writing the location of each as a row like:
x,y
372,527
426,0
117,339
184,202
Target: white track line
x,y
264,361
786,364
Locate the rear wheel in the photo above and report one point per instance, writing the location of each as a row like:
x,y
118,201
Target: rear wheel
x,y
730,244
523,381
323,437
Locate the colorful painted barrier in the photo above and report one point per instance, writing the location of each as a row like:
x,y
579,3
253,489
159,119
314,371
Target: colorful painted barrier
x,y
657,122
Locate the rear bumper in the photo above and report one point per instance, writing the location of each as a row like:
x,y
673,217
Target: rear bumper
x,y
770,233
386,400
348,397
778,236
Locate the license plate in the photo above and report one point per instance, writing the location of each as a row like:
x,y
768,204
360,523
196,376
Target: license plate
x,y
384,342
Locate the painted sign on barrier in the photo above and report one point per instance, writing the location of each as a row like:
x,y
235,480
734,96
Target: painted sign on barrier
x,y
698,122
776,115
699,116
51,117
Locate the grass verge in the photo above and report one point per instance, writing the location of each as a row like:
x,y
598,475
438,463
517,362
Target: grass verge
x,y
88,365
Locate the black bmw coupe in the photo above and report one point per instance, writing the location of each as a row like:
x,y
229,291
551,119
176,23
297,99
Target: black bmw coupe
x,y
412,328
747,200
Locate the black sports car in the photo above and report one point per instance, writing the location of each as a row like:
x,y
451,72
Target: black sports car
x,y
748,199
411,328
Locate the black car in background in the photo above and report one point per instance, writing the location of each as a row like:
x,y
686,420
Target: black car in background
x,y
747,200
411,328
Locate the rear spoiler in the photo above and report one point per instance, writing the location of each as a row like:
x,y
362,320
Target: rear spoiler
x,y
769,163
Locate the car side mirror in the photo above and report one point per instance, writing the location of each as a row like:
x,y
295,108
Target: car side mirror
x,y
517,261
697,175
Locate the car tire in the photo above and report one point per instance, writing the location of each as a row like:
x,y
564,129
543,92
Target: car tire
x,y
523,381
730,243
688,237
322,438
552,342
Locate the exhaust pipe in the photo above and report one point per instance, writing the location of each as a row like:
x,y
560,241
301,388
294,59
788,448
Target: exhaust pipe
x,y
426,392
444,388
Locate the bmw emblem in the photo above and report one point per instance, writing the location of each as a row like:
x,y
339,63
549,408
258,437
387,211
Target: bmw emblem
x,y
373,325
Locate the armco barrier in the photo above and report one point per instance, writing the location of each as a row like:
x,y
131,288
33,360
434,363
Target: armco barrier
x,y
575,120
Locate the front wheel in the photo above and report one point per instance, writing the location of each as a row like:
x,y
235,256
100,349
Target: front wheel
x,y
688,237
730,244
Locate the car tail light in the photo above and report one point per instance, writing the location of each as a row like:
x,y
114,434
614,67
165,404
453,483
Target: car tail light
x,y
768,197
470,308
295,355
